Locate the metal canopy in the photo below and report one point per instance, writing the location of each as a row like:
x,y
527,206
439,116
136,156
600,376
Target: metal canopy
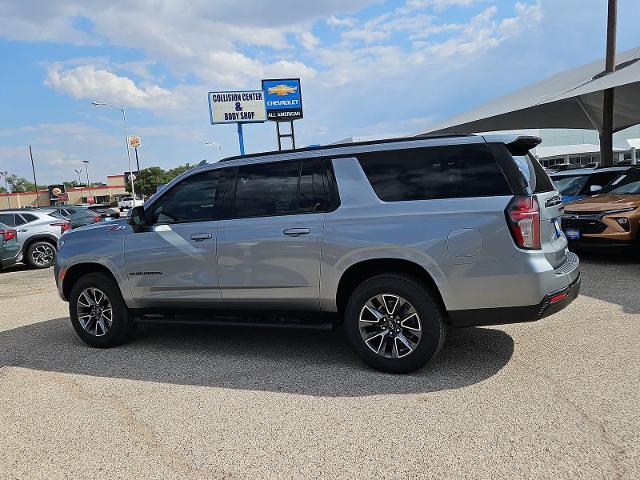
x,y
571,99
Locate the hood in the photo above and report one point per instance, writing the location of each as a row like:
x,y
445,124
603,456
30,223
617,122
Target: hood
x,y
603,203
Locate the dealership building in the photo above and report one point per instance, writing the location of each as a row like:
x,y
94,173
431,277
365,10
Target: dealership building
x,y
59,195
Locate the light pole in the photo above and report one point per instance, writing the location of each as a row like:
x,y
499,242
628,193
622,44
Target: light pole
x,y
79,174
126,142
86,170
215,144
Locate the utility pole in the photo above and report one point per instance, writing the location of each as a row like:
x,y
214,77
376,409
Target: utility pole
x,y
35,182
606,135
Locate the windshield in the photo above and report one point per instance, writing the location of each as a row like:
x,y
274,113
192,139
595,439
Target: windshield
x,y
570,185
626,183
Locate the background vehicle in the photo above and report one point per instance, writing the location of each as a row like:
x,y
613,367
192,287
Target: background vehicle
x,y
610,219
584,182
77,216
37,233
395,239
128,203
9,247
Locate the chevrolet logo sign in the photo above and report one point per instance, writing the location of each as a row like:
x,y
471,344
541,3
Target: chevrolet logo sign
x,y
281,90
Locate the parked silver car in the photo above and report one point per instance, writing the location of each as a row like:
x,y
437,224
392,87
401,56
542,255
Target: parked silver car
x,y
38,234
396,240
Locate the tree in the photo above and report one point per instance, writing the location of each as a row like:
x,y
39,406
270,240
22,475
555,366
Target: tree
x,y
3,190
20,184
149,179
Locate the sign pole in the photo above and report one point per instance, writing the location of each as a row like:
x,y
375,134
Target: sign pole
x,y
137,161
240,138
35,182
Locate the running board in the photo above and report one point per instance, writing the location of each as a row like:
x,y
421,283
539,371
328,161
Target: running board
x,y
313,322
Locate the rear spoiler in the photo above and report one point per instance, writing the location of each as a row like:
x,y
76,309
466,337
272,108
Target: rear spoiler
x,y
521,145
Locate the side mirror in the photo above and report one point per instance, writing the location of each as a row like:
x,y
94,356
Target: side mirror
x,y
595,188
136,218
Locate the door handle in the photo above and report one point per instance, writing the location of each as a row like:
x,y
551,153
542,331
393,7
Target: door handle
x,y
296,232
199,237
23,230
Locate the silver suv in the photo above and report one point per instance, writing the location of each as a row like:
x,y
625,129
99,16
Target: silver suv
x,y
395,240
38,234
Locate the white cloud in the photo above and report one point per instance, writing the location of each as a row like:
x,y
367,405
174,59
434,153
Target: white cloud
x,y
412,5
336,22
87,81
308,40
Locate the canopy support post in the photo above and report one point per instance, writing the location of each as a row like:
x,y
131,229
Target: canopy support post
x,y
606,136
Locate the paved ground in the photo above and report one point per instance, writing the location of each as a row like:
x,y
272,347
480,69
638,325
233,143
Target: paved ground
x,y
555,399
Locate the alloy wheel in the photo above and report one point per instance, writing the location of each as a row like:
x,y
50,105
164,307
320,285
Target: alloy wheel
x,y
43,255
95,313
390,326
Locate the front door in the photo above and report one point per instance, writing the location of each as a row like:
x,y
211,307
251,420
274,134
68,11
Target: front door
x,y
172,261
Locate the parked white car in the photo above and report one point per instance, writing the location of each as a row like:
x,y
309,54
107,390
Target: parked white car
x,y
127,203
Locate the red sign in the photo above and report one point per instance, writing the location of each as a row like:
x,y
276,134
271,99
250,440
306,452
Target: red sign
x,y
63,197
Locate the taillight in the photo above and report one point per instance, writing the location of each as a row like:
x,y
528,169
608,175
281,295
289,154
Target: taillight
x,y
523,214
8,234
64,226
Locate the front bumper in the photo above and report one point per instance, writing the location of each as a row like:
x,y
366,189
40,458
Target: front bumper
x,y
552,303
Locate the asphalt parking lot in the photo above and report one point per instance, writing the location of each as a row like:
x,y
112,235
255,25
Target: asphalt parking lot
x,y
555,399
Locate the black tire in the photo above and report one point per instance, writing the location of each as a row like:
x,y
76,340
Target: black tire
x,y
431,319
40,254
122,326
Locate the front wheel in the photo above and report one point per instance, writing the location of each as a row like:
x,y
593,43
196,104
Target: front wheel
x,y
394,324
98,312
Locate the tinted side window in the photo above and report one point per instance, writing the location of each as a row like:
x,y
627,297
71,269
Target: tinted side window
x,y
29,217
70,211
7,219
267,189
19,220
314,186
196,199
434,172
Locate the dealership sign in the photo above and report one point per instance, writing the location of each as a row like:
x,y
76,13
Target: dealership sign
x,y
237,107
283,99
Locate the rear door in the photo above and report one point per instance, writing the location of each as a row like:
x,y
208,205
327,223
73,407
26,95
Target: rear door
x,y
269,252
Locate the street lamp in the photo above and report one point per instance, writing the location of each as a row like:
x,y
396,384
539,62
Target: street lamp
x,y
79,174
215,144
86,170
126,142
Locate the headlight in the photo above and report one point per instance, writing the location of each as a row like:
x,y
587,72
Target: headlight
x,y
60,243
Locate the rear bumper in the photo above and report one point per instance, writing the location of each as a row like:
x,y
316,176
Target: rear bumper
x,y
552,303
11,260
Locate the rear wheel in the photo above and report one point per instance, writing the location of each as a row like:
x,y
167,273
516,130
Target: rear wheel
x,y
394,324
40,254
98,313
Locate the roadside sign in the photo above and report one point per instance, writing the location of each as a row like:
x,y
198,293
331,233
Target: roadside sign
x,y
56,192
283,99
245,106
128,176
135,141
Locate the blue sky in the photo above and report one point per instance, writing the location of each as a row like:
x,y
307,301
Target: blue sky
x,y
367,68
